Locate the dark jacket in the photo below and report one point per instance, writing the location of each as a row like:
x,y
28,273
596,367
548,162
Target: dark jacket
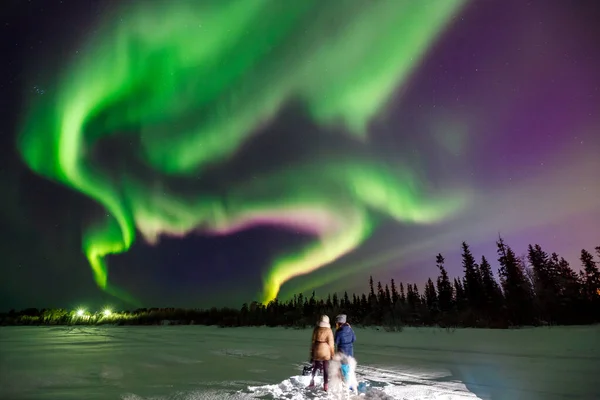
x,y
344,339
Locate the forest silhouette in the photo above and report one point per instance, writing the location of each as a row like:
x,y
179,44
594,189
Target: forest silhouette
x,y
536,289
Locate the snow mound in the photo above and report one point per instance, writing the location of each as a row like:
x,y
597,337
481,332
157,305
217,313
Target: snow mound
x,y
193,395
378,384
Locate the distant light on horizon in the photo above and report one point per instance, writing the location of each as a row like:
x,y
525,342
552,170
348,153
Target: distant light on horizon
x,y
107,312
80,312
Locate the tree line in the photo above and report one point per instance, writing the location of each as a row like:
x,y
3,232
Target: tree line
x,y
537,288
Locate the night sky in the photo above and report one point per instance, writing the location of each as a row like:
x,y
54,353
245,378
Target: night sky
x,y
192,154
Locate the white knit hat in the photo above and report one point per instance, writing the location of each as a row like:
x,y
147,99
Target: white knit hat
x,y
324,322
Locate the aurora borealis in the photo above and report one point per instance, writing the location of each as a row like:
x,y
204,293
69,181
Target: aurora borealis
x,y
173,119
194,102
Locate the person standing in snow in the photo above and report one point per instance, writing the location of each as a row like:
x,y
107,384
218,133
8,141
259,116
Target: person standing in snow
x,y
321,350
344,336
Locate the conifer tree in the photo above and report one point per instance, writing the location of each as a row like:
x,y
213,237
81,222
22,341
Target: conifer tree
x,y
416,294
335,301
472,281
402,294
444,287
592,275
459,297
312,304
491,289
328,303
515,285
544,282
388,296
364,302
380,294
372,297
346,300
431,297
410,296
569,290
395,295
591,285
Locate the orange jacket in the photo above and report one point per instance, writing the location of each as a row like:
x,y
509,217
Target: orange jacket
x,y
322,348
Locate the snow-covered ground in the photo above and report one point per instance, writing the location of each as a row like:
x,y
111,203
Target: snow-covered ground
x,y
192,363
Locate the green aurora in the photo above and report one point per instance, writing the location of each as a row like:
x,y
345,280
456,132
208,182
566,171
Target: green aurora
x,y
191,82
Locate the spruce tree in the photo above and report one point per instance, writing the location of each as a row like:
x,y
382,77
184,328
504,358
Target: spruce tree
x,y
335,301
592,275
544,282
328,303
459,297
444,287
380,294
515,285
312,305
388,296
472,280
395,295
491,289
364,303
416,294
402,294
355,306
410,296
346,300
568,291
591,284
431,297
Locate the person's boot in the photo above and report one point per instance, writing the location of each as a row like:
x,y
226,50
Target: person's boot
x,y
325,387
312,383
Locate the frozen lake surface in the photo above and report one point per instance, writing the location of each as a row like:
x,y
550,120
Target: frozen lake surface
x,y
192,362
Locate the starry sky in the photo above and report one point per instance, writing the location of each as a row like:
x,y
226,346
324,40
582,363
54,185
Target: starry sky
x,y
200,153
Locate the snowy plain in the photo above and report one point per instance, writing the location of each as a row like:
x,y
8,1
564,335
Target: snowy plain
x,y
192,363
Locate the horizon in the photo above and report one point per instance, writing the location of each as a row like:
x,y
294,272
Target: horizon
x,y
523,260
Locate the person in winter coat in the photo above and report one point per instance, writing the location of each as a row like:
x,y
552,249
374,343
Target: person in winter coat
x,y
344,336
321,350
